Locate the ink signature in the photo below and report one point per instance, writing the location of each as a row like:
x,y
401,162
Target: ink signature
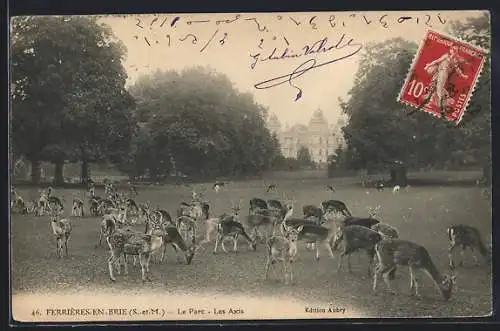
x,y
317,47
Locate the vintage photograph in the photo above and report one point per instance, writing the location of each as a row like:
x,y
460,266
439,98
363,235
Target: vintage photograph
x,y
250,166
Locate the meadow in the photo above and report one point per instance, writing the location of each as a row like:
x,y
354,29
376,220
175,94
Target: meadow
x,y
421,214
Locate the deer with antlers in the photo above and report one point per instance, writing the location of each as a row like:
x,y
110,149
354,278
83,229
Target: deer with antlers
x,y
61,229
283,249
391,253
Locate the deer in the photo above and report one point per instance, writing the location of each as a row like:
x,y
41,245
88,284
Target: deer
x,y
335,205
52,201
257,203
77,208
123,242
396,189
17,203
212,222
355,238
393,252
283,249
386,230
314,234
198,210
368,222
268,221
110,222
187,227
466,236
61,229
229,227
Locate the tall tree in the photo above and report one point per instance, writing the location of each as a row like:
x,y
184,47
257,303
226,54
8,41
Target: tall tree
x,y
199,122
68,97
477,119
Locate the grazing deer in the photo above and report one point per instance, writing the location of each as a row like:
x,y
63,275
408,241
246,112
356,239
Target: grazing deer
x,y
466,236
218,186
391,253
379,186
61,229
229,228
355,238
173,237
335,205
283,249
387,231
396,189
77,208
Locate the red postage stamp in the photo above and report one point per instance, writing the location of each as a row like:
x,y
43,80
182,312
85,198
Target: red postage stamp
x,y
442,77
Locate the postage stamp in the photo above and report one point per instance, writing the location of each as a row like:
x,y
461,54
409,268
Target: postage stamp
x,y
442,77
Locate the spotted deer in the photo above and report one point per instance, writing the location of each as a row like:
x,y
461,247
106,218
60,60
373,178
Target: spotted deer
x,y
283,249
393,252
466,236
229,228
77,208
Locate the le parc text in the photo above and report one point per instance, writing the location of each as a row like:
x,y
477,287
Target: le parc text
x,y
215,311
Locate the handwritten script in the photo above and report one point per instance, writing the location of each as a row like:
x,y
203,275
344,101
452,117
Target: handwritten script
x,y
203,32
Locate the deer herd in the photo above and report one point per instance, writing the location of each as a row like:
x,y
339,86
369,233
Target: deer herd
x,y
328,225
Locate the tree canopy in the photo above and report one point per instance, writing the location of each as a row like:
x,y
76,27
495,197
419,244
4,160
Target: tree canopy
x,y
69,100
197,122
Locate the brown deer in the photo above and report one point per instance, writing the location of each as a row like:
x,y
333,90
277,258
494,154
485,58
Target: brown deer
x,y
393,252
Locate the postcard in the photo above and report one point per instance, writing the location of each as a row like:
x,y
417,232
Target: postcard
x,y
250,166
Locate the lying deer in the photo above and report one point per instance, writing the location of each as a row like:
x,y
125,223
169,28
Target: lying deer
x,y
61,229
283,249
391,253
466,236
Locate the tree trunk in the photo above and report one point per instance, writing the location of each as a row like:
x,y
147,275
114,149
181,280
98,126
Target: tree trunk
x,y
35,171
399,176
58,173
85,174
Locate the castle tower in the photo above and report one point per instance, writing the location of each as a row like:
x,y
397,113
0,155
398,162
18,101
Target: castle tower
x,y
318,137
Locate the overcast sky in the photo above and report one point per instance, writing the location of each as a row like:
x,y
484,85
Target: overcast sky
x,y
233,44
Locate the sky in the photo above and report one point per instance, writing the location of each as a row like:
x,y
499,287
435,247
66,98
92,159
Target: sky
x,y
229,44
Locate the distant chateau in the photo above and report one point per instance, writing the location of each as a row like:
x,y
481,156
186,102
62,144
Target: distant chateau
x,y
319,137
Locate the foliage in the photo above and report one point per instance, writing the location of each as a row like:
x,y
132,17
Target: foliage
x,y
196,121
68,90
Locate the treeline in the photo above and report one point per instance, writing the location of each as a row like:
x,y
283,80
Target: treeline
x,y
70,104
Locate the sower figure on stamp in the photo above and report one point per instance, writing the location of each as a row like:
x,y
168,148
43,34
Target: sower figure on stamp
x,y
441,70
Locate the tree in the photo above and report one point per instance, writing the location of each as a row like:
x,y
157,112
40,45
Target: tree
x,y
68,98
198,122
477,119
379,132
304,156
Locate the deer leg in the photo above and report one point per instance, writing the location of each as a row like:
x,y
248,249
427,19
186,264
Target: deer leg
x,y
111,260
341,258
462,253
414,281
285,271
291,272
317,253
223,245
125,264
66,245
216,243
329,249
176,249
268,266
375,277
235,243
385,274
